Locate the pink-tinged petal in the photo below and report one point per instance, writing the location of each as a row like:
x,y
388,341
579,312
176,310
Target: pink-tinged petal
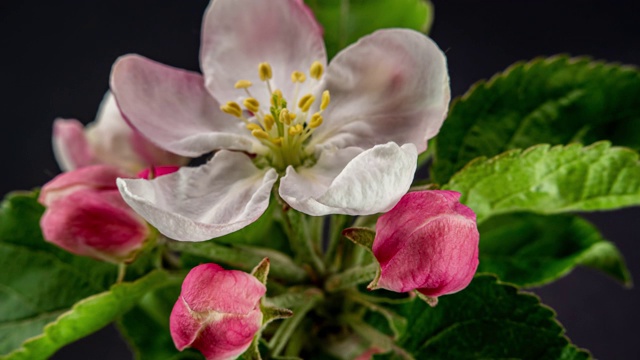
x,y
427,242
351,181
97,177
197,204
203,285
392,85
114,142
237,35
184,326
229,337
171,108
70,145
95,223
157,171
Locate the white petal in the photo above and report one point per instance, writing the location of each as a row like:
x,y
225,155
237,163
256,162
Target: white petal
x,y
392,85
351,181
237,35
172,108
197,204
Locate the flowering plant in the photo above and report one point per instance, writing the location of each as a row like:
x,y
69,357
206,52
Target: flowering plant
x,y
268,208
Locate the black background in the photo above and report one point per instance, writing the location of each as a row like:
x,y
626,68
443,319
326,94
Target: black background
x,y
55,59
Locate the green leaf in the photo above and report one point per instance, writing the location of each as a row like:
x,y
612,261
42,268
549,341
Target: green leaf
x,y
487,320
345,21
556,101
550,180
39,281
87,316
532,250
146,327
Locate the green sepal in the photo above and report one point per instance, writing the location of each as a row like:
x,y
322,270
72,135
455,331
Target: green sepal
x,y
261,271
430,300
253,352
274,313
360,236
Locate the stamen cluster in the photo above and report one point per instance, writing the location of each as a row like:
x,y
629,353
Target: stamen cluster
x,y
283,129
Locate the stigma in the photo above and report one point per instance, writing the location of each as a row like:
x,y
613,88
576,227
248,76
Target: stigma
x,y
283,126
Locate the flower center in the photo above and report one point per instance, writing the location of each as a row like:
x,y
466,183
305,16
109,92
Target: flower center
x,y
284,128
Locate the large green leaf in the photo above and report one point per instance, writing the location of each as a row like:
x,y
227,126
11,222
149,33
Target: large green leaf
x,y
556,101
487,320
146,327
528,249
85,317
38,281
345,21
549,180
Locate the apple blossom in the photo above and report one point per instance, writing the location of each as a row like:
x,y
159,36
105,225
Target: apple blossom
x,y
218,312
428,242
87,216
109,140
339,139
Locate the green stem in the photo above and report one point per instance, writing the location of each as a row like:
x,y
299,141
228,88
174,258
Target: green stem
x,y
338,223
244,258
302,242
288,326
352,277
372,335
122,270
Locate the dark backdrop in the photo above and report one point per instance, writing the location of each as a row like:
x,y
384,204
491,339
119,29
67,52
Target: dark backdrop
x,y
56,57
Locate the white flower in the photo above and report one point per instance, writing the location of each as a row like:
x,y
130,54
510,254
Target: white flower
x,y
341,141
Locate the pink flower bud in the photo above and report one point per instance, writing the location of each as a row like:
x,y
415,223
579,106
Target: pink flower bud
x,y
218,312
427,242
87,216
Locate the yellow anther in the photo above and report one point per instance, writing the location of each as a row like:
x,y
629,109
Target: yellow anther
x,y
316,70
285,117
264,70
260,134
298,76
295,130
306,101
326,99
232,108
316,120
251,104
292,116
243,84
277,141
277,96
269,121
252,126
